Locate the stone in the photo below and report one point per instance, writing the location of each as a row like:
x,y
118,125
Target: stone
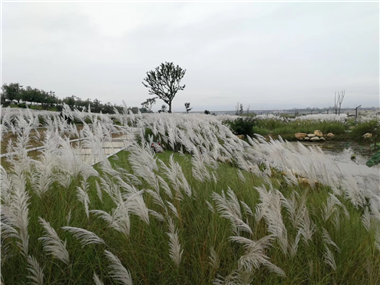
x,y
318,133
322,139
242,137
300,136
310,135
367,135
307,138
315,139
330,135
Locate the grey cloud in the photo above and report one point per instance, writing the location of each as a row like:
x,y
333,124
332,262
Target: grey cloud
x,y
260,54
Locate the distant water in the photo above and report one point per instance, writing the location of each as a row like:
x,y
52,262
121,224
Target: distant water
x,y
278,111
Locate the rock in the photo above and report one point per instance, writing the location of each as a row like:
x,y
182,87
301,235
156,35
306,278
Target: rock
x,y
367,135
314,139
307,138
322,139
330,135
318,133
300,136
242,137
310,135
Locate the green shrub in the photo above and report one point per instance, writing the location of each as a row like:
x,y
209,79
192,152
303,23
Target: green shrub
x,y
242,126
372,127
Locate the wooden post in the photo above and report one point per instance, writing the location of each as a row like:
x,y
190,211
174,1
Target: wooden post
x,y
356,114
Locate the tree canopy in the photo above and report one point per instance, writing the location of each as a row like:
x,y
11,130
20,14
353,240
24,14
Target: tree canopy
x,y
164,82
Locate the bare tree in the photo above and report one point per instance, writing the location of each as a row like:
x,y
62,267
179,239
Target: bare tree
x,y
338,101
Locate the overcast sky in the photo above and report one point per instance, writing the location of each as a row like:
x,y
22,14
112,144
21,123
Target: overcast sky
x,y
263,55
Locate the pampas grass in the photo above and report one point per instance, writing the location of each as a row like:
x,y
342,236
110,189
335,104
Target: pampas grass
x,y
117,270
37,275
52,244
85,237
175,251
220,211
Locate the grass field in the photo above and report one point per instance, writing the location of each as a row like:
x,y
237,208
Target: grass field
x,y
218,211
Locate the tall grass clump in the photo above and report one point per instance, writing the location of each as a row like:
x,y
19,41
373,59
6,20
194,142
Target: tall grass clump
x,y
372,127
220,210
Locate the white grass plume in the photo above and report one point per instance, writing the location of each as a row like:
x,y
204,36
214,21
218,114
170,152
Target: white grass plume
x,y
97,280
241,176
119,218
68,217
37,275
164,185
52,244
294,246
214,259
84,199
19,212
173,209
247,209
210,206
135,204
175,251
329,258
231,279
229,208
377,239
366,219
270,208
117,270
85,237
99,191
328,240
255,255
306,226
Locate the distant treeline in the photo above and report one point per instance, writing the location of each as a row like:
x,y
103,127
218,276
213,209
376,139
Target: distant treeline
x,y
14,93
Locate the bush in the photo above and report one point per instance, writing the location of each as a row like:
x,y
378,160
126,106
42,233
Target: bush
x,y
242,126
372,127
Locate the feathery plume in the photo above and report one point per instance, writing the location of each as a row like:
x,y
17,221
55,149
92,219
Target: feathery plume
x,y
214,259
84,199
366,219
85,237
97,280
175,251
329,258
117,270
37,275
52,243
327,239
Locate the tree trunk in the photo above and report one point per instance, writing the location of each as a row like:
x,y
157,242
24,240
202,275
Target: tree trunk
x,y
170,107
